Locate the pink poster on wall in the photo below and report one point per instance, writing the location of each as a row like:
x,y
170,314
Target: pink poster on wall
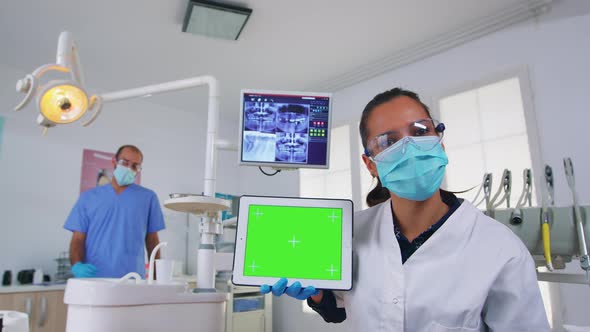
x,y
97,169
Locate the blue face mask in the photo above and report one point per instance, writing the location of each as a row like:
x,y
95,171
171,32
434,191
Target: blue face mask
x,y
124,175
413,168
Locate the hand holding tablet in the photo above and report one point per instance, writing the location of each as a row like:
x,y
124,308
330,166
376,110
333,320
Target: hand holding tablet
x,y
295,290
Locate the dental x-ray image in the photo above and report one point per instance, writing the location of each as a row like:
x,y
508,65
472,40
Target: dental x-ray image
x,y
293,118
292,138
260,116
258,146
291,147
275,132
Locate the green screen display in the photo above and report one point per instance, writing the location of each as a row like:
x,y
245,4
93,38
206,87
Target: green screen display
x,y
294,242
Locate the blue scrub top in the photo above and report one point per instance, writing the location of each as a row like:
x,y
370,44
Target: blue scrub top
x,y
116,227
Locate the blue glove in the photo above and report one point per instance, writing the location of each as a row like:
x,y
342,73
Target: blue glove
x,y
294,290
82,270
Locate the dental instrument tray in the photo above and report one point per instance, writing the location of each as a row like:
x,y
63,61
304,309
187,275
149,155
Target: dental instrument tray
x,y
301,239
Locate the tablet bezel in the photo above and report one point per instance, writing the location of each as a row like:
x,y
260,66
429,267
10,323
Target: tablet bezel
x,y
238,277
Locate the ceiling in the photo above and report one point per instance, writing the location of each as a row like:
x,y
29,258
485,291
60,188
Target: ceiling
x,y
286,45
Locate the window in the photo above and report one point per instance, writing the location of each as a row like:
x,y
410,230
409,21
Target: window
x,y
334,182
488,130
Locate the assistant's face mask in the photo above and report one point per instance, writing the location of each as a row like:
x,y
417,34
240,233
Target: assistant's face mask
x,y
124,175
413,168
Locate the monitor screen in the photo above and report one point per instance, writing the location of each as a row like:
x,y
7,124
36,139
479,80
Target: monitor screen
x,y
285,129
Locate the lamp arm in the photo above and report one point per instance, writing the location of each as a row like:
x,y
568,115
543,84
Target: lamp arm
x,y
51,66
212,115
162,88
222,144
67,56
96,104
30,83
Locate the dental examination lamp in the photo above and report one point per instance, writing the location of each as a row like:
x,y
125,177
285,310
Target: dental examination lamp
x,y
59,101
65,101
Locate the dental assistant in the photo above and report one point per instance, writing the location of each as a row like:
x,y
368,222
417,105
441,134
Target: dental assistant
x,y
425,260
113,223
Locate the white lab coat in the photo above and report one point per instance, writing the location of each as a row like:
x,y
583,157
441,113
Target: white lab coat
x,y
472,274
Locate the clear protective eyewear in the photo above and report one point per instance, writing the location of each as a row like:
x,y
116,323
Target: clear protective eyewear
x,y
418,128
133,166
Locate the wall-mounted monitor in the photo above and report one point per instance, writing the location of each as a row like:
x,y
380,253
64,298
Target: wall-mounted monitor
x,y
285,129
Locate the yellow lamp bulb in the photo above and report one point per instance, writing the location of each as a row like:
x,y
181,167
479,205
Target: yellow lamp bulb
x,y
63,103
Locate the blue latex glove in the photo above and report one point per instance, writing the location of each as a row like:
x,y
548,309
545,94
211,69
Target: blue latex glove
x,y
295,290
83,270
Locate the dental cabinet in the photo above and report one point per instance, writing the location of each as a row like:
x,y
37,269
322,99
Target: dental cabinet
x,y
247,309
44,305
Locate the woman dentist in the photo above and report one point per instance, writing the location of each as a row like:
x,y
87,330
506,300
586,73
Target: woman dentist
x,y
425,260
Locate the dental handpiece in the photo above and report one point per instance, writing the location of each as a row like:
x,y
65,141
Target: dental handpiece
x,y
546,216
571,181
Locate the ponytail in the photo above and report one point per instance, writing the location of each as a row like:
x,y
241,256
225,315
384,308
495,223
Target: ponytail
x,y
378,195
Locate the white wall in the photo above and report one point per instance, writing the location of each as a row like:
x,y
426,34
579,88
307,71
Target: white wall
x,y
556,52
40,176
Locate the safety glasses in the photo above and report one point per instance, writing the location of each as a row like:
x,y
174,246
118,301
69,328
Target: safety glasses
x,y
133,166
416,129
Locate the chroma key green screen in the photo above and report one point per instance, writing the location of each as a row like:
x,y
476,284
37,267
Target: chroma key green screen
x,y
294,242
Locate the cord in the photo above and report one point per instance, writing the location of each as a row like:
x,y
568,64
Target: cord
x,y
505,187
486,182
269,174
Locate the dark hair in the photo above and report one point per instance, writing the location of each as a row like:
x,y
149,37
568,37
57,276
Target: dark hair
x,y
380,194
130,147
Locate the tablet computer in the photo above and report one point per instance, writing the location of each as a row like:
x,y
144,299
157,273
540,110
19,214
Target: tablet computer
x,y
301,239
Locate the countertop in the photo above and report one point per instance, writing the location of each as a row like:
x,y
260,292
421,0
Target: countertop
x,y
31,288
